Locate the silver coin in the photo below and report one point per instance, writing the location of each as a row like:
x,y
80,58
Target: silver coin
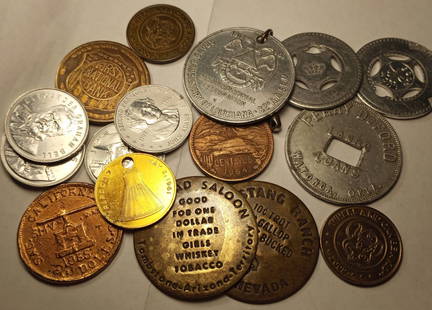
x,y
153,119
232,78
38,175
105,146
396,78
328,72
366,169
46,125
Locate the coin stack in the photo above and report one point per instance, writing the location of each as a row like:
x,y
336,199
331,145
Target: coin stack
x,y
199,237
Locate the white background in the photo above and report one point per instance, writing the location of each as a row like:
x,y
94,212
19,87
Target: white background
x,y
34,37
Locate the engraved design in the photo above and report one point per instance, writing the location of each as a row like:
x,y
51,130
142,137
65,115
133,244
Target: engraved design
x,y
72,239
160,32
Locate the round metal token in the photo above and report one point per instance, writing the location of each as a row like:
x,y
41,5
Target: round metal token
x,y
153,119
288,244
231,77
397,78
135,190
161,33
361,246
35,174
62,237
204,245
99,73
347,155
230,153
327,71
46,125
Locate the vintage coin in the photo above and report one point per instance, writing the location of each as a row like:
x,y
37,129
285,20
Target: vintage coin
x,y
46,125
230,153
367,175
35,174
161,33
153,119
288,244
327,71
204,245
99,73
135,190
361,246
63,239
105,146
396,78
231,77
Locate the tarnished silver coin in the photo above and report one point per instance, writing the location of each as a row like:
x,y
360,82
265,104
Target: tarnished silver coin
x,y
153,119
232,77
35,174
396,78
327,71
347,155
105,146
46,125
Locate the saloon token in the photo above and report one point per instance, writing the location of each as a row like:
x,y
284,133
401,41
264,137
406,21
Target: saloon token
x,y
204,245
135,190
230,153
63,239
361,246
99,73
161,33
288,244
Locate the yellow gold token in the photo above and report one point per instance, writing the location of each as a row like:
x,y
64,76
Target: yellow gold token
x,y
135,190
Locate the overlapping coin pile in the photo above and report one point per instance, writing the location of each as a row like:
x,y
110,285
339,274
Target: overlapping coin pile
x,y
198,237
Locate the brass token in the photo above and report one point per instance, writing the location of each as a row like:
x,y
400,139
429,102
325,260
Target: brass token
x,y
361,245
160,33
204,245
99,73
230,153
62,237
135,190
288,244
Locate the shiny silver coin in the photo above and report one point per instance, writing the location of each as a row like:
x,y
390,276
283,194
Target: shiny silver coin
x,y
328,72
153,119
396,78
46,125
231,77
347,155
38,175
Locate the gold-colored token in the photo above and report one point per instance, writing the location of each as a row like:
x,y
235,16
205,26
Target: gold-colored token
x,y
204,245
161,33
62,237
288,245
135,190
99,73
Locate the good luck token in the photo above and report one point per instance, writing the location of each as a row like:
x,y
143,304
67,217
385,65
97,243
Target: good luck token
x,y
204,245
230,153
99,73
346,155
361,246
135,190
62,237
288,244
233,76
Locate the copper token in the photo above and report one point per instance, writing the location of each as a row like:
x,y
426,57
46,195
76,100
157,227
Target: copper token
x,y
230,153
288,244
361,246
62,237
204,245
99,73
160,33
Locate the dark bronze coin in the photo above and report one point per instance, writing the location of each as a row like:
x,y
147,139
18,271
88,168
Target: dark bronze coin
x,y
361,246
288,244
161,33
204,245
